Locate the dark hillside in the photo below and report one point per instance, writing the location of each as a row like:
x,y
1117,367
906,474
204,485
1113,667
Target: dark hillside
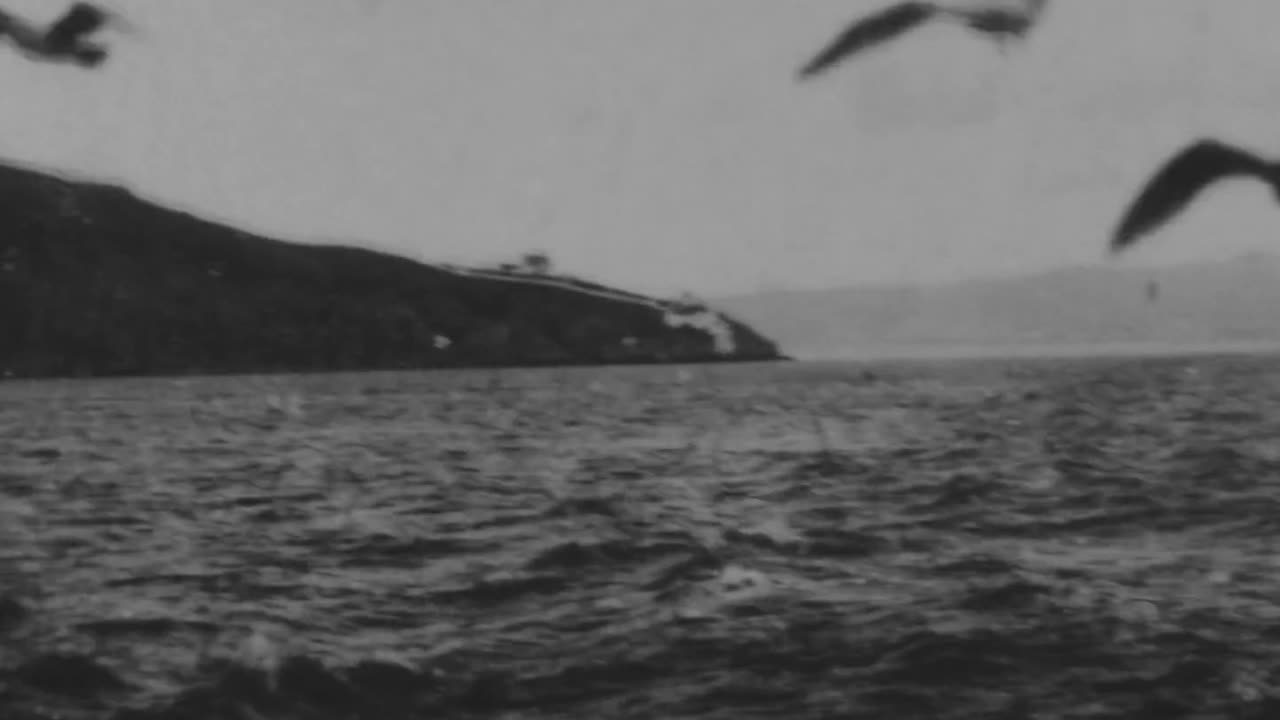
x,y
95,281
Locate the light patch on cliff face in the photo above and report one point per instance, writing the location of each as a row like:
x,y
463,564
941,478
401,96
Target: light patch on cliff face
x,y
707,321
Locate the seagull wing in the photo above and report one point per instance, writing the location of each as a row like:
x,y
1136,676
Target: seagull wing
x,y
1001,20
80,20
1177,182
868,31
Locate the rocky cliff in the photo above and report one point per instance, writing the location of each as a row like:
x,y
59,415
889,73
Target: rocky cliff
x,y
97,281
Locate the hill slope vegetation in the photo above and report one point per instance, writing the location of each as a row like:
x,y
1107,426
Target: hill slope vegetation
x,y
96,281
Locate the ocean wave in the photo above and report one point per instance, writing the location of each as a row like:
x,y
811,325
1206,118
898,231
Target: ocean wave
x,y
1088,540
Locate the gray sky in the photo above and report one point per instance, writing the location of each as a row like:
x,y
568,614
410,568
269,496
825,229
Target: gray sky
x,y
662,144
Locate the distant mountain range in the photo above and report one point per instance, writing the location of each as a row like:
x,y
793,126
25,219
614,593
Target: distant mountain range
x,y
97,281
1234,301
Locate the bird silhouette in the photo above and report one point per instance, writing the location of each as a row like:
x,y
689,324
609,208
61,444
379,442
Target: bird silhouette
x,y
65,40
1180,179
1001,22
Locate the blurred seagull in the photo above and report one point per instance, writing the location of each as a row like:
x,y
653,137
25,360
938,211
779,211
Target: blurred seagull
x,y
1181,178
1002,22
65,39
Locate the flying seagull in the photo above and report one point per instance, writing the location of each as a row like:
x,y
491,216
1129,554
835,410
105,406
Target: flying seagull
x,y
1180,179
65,40
1002,22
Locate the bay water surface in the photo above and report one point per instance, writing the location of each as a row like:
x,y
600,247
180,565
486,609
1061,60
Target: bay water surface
x,y
1029,538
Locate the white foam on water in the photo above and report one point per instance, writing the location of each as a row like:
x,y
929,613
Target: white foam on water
x,y
262,650
734,584
289,405
778,530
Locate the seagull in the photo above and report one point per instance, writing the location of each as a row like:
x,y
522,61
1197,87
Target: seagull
x,y
1002,22
65,39
1181,178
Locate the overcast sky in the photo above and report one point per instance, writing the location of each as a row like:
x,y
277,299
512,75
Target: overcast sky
x,y
663,144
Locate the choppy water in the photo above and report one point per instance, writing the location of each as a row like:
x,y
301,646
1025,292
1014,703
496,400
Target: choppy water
x,y
1029,539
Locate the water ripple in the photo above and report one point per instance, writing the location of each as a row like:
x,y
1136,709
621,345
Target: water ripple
x,y
1032,539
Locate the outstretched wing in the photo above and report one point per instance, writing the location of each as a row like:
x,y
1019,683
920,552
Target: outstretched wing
x,y
1002,20
80,20
868,31
1176,183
